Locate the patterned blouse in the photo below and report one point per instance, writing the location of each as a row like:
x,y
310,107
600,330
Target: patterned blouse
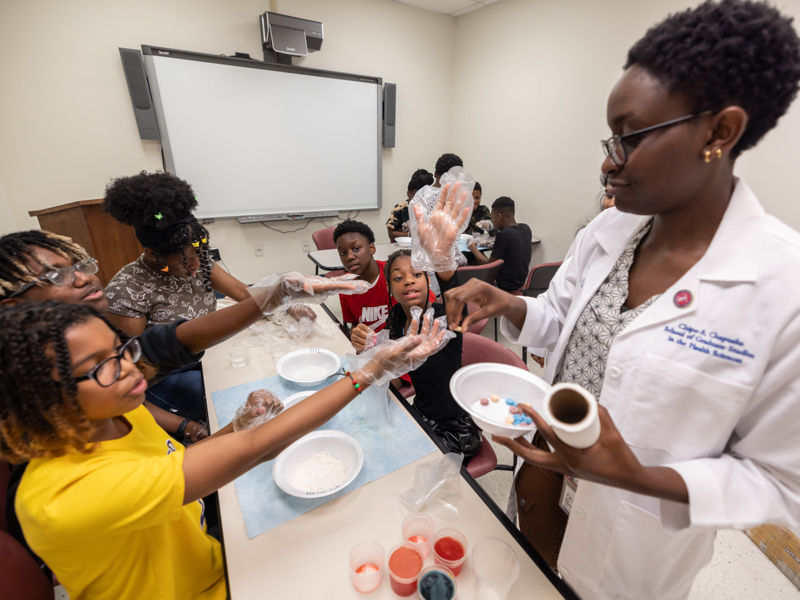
x,y
137,291
599,324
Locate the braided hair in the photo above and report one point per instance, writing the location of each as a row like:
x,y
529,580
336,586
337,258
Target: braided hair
x,y
159,207
397,315
17,248
40,416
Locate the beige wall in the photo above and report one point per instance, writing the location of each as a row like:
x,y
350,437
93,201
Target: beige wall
x,y
529,99
518,89
68,126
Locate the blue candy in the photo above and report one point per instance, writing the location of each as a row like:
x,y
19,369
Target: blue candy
x,y
511,402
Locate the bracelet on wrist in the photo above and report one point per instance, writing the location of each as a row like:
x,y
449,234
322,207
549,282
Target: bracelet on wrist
x,y
182,428
356,385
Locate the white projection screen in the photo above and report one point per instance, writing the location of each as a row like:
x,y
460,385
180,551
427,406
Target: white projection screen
x,y
254,138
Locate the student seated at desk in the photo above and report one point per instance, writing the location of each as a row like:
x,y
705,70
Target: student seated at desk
x,y
397,225
173,279
512,245
367,312
109,501
479,211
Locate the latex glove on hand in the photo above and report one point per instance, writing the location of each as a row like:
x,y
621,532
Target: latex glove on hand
x,y
393,358
359,335
299,311
276,292
485,225
195,432
260,407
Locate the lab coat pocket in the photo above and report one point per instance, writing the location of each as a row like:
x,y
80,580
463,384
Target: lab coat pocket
x,y
682,410
646,561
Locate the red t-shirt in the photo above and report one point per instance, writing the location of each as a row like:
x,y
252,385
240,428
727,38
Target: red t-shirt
x,y
372,307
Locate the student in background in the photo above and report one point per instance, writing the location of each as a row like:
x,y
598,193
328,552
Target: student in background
x,y
110,502
512,245
175,277
479,211
397,225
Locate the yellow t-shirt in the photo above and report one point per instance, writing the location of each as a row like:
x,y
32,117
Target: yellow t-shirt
x,y
111,524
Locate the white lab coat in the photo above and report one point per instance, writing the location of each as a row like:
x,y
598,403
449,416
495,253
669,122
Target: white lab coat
x,y
711,390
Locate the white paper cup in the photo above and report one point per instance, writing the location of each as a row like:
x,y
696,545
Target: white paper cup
x,y
572,413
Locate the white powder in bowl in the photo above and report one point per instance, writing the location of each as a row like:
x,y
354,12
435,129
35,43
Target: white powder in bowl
x,y
319,473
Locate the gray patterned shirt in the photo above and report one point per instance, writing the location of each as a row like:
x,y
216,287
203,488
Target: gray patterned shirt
x,y
599,324
137,291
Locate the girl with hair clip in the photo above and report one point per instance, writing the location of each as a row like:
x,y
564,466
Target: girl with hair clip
x,y
678,311
109,501
408,288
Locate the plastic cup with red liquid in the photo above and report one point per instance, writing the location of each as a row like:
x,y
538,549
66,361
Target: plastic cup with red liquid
x,y
405,565
366,566
450,549
418,528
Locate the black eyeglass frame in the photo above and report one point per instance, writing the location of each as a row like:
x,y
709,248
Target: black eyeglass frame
x,y
619,139
46,277
133,345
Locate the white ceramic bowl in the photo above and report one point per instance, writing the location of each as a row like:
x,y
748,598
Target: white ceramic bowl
x,y
308,366
339,445
296,398
403,242
471,383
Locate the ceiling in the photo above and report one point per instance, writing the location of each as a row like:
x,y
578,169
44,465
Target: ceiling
x,y
449,7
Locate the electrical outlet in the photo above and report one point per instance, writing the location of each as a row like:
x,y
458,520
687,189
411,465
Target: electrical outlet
x,y
259,249
306,247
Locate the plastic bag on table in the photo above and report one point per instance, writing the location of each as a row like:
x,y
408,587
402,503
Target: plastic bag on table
x,y
436,489
276,292
437,216
260,407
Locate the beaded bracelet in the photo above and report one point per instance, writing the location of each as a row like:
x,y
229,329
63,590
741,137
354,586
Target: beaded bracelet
x,y
356,385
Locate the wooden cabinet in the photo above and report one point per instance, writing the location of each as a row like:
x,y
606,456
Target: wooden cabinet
x,y
112,243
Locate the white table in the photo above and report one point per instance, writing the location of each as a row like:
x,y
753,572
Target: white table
x,y
307,557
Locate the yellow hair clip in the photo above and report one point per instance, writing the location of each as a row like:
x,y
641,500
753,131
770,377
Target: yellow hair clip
x,y
197,244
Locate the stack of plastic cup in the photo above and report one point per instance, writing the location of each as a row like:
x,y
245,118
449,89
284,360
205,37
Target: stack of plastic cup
x,y
366,566
496,569
418,528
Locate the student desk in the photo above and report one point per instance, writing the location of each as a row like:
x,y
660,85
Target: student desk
x,y
307,557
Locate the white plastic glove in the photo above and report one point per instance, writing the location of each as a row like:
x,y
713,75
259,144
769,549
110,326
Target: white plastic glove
x,y
393,358
260,407
485,225
300,311
276,292
435,230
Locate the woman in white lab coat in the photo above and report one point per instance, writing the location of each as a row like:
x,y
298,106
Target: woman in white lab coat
x,y
679,309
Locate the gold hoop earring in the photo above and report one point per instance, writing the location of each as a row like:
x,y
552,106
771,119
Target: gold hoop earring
x,y
707,156
719,153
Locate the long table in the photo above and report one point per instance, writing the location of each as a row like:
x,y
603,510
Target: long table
x,y
307,557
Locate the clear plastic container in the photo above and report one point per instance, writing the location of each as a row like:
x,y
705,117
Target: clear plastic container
x,y
405,565
436,583
450,549
240,356
367,560
419,528
496,568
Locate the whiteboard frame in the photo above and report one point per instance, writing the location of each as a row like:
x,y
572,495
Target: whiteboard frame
x,y
149,51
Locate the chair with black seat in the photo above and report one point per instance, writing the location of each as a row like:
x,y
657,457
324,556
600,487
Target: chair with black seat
x,y
323,240
537,283
477,349
487,273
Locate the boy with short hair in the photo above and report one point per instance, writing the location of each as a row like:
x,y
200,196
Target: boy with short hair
x,y
512,245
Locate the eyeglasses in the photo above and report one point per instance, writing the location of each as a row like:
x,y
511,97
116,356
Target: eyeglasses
x,y
107,372
61,275
615,145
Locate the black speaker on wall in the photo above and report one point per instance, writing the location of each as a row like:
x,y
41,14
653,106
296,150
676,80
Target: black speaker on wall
x,y
389,110
139,90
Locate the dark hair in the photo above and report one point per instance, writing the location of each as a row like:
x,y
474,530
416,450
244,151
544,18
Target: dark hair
x,y
419,180
40,417
351,226
16,248
159,207
727,53
397,315
447,162
477,188
503,204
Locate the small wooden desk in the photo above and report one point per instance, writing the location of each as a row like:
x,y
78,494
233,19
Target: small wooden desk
x,y
307,557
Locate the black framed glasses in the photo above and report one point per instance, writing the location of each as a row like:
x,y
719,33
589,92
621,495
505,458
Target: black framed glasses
x,y
61,275
107,371
615,145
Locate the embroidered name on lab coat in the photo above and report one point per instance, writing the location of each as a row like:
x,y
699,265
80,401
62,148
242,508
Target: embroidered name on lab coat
x,y
711,344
